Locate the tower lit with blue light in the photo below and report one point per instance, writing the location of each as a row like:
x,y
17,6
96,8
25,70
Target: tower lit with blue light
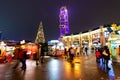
x,y
64,24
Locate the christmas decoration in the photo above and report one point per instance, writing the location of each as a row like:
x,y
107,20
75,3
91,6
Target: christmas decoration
x,y
40,35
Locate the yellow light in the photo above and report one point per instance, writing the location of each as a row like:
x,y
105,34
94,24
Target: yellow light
x,y
2,43
113,25
23,46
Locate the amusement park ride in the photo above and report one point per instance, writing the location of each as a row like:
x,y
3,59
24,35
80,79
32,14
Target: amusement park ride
x,y
63,19
58,47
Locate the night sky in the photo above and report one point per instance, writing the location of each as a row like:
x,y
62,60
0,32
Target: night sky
x,y
20,19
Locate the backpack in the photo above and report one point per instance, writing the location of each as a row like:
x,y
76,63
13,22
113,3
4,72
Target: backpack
x,y
98,55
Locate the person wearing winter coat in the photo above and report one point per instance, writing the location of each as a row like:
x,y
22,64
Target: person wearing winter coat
x,y
21,56
106,56
98,55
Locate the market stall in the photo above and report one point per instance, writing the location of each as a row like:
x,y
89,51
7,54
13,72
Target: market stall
x,y
32,49
114,46
6,52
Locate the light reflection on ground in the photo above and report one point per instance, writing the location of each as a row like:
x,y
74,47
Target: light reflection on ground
x,y
82,68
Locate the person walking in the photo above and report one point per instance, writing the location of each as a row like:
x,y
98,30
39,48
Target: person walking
x,y
16,57
42,54
71,53
98,55
86,51
21,56
106,56
65,53
24,59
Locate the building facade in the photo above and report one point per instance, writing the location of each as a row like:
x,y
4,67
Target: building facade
x,y
91,38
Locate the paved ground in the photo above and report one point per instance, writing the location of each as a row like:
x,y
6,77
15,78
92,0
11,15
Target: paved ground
x,y
82,68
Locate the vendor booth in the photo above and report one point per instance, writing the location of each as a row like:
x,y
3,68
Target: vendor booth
x,y
6,52
32,49
114,46
57,48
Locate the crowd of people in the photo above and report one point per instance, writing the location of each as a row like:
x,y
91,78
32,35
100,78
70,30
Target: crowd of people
x,y
104,54
72,52
100,53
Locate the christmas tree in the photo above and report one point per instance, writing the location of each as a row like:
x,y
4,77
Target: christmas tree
x,y
40,35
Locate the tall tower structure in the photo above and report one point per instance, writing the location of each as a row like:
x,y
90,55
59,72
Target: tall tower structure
x,y
40,35
63,19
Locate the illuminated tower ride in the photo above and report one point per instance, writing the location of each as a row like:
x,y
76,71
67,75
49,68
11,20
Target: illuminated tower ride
x,y
64,25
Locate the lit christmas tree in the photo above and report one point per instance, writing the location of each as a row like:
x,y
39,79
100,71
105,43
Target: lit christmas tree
x,y
40,35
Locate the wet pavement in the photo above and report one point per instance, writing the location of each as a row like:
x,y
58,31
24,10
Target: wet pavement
x,y
82,68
